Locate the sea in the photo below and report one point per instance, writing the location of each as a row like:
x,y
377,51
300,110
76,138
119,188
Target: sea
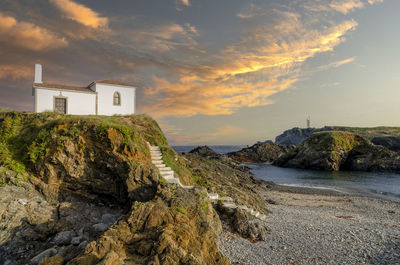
x,y
385,185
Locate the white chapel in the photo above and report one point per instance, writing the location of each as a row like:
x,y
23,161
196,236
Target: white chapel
x,y
102,97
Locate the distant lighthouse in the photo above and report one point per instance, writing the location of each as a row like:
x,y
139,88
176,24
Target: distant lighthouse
x,y
308,123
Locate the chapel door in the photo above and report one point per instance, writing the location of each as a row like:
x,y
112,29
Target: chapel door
x,y
60,105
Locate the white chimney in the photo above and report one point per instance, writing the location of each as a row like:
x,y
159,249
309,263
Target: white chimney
x,y
38,73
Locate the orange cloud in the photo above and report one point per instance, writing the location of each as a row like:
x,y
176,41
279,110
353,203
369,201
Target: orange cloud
x,y
15,72
337,64
28,35
245,74
80,13
345,6
165,37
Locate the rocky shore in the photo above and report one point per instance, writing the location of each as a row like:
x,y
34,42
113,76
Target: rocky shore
x,y
318,227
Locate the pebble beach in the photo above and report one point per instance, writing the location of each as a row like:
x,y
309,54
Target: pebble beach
x,y
310,226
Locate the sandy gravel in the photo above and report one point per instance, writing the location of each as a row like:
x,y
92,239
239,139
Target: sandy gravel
x,y
322,229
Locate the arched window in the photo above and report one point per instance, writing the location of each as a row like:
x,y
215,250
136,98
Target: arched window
x,y
117,99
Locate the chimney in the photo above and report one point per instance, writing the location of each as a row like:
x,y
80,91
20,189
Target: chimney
x,y
38,73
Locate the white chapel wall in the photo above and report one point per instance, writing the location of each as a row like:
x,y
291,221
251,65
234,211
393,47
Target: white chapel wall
x,y
78,103
105,99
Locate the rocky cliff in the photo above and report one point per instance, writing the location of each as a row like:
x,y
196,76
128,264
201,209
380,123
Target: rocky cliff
x,y
83,190
338,150
266,152
388,137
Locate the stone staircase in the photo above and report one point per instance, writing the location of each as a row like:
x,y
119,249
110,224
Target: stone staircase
x,y
166,172
169,175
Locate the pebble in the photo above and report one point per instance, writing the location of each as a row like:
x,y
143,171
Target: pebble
x,y
315,236
22,201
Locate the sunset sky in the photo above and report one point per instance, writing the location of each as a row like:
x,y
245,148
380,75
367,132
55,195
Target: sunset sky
x,y
215,71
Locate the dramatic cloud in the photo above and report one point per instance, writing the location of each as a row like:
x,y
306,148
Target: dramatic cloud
x,y
346,6
15,72
27,35
185,2
179,4
371,2
80,13
165,37
251,11
246,74
337,64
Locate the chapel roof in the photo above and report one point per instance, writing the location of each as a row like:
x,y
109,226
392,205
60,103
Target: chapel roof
x,y
82,89
111,82
64,87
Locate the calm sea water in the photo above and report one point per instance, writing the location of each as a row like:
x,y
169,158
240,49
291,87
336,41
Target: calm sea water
x,y
220,149
377,184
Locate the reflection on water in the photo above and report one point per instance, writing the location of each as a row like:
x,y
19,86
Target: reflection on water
x,y
373,183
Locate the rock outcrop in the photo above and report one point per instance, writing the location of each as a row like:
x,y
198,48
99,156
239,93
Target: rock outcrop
x,y
266,152
388,137
390,142
83,190
333,150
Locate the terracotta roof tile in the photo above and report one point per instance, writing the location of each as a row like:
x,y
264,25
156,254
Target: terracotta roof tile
x,y
64,87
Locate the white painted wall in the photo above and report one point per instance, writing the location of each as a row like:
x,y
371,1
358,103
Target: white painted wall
x,y
105,99
78,103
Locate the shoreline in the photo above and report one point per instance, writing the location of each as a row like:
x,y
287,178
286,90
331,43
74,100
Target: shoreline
x,y
322,191
314,226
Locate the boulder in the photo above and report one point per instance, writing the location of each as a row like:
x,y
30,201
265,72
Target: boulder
x,y
261,153
45,254
63,238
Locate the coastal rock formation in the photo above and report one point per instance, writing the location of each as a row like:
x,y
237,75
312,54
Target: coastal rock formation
x,y
390,142
323,150
83,190
295,136
388,137
333,150
228,178
261,153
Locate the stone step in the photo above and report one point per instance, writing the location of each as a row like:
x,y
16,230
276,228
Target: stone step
x,y
165,169
161,166
213,196
262,217
187,187
155,152
174,181
154,148
243,207
156,157
167,173
167,177
229,205
226,199
157,162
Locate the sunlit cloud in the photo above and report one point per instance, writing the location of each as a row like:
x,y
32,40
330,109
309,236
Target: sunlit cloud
x,y
371,2
15,72
246,74
27,35
179,4
251,11
342,6
337,64
80,13
165,37
345,6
